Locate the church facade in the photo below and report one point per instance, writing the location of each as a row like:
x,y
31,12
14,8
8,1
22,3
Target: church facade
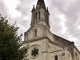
x,y
43,44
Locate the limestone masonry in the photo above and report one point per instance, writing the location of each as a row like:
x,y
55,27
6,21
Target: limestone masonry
x,y
44,45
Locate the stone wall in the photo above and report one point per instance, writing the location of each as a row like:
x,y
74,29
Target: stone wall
x,y
64,43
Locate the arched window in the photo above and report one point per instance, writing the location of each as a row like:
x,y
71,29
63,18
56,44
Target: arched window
x,y
39,15
56,57
36,15
35,32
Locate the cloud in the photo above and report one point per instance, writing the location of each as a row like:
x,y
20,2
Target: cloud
x,y
70,9
25,7
64,16
11,5
3,8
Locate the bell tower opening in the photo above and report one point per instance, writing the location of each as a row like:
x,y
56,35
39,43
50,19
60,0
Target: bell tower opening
x,y
36,15
39,15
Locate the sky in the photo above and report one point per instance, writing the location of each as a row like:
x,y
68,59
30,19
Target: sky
x,y
64,16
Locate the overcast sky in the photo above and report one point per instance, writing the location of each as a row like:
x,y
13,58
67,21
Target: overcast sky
x,y
64,16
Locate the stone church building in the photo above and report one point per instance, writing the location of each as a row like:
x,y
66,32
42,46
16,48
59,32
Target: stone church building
x,y
43,44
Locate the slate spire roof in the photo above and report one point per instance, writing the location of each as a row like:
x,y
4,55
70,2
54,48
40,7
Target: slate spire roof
x,y
41,4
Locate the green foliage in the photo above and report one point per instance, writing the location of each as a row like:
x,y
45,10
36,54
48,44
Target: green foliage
x,y
10,42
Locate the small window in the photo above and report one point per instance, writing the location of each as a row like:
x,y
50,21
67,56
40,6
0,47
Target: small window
x,y
35,33
56,57
36,15
39,15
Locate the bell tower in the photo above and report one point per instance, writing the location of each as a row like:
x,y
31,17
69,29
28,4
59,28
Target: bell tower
x,y
40,14
39,22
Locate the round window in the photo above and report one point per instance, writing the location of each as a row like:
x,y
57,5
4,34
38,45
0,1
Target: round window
x,y
34,52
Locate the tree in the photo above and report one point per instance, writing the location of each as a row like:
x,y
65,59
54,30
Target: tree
x,y
10,42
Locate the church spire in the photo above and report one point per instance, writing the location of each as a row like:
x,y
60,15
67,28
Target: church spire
x,y
40,13
33,9
41,4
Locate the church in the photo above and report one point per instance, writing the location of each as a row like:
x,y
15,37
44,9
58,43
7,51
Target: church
x,y
43,44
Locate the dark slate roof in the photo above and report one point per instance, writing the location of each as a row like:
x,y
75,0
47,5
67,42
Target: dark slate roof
x,y
41,4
